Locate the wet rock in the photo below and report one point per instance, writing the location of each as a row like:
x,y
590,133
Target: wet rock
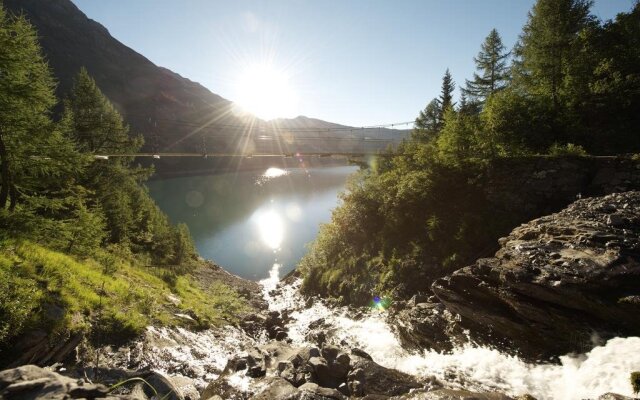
x,y
277,389
554,285
378,380
614,396
162,385
361,353
451,394
221,387
321,372
427,325
326,393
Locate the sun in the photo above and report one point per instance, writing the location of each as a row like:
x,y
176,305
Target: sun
x,y
265,92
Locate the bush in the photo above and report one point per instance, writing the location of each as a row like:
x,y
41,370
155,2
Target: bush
x,y
568,149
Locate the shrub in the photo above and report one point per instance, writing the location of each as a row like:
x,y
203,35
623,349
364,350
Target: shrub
x,y
568,149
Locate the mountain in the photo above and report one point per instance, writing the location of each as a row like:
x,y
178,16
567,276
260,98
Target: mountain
x,y
172,112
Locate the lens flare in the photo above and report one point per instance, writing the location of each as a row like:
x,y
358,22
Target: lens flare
x,y
380,303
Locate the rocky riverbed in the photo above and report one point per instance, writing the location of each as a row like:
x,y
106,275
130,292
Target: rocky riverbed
x,y
552,316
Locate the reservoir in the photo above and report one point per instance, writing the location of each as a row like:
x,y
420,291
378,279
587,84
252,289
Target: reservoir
x,y
253,222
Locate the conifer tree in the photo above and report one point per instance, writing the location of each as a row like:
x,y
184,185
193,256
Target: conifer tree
x,y
445,101
491,62
426,124
35,156
547,44
98,127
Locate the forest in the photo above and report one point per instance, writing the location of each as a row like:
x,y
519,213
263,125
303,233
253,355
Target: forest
x,y
83,247
570,87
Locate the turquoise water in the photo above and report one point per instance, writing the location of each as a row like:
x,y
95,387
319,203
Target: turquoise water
x,y
248,222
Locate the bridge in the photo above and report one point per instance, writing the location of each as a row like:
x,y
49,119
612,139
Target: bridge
x,y
244,155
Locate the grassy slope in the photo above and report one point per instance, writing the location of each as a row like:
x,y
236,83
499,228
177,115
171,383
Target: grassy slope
x,y
47,290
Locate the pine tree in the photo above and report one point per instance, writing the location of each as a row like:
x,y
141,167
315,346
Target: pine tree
x,y
491,62
426,125
98,127
36,158
445,101
547,44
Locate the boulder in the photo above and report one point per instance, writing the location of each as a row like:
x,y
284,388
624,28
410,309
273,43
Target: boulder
x,y
452,394
375,379
277,389
556,285
325,393
35,383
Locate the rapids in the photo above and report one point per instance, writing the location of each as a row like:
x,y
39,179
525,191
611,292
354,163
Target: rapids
x,y
603,369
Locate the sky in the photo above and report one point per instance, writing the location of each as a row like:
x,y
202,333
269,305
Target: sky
x,y
354,62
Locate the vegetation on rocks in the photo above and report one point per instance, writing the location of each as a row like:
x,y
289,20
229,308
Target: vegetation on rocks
x,y
572,89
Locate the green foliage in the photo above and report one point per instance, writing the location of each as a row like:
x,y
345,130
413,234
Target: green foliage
x,y
445,101
568,149
111,308
573,89
399,230
35,157
427,123
491,62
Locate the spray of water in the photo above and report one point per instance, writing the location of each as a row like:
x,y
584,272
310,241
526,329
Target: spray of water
x,y
604,369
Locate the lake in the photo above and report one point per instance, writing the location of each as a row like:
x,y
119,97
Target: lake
x,y
253,222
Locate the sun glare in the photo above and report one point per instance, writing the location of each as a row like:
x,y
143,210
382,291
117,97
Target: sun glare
x,y
265,92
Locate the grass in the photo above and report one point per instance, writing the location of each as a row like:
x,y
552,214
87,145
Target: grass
x,y
47,290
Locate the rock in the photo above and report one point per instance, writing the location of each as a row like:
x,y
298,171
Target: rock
x,y
277,389
162,384
614,396
428,325
451,394
378,380
32,382
361,353
555,284
321,372
221,387
327,393
281,335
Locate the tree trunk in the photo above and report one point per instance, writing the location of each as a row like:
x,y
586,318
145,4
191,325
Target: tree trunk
x,y
7,188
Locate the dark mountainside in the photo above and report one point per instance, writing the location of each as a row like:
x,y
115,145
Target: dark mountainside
x,y
172,112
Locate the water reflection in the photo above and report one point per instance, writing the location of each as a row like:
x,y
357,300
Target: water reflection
x,y
240,219
270,227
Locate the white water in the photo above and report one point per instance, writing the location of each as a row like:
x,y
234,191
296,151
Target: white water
x,y
603,369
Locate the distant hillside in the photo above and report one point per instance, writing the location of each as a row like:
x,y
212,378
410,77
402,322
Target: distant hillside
x,y
172,112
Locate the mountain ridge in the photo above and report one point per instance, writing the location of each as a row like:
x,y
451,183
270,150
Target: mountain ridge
x,y
172,112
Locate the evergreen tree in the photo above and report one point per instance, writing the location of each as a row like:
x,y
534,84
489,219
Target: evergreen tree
x,y
445,101
98,127
36,159
547,45
491,62
427,122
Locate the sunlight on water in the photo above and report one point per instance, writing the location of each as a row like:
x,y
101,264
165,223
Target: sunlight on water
x,y
274,172
271,173
270,227
603,369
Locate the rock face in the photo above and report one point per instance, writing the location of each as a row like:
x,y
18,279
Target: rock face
x,y
558,284
31,382
311,373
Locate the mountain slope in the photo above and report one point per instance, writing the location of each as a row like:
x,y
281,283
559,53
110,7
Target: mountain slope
x,y
172,112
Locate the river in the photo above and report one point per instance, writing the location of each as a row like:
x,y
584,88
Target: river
x,y
256,225
253,222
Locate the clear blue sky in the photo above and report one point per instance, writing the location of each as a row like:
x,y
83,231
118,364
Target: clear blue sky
x,y
356,62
